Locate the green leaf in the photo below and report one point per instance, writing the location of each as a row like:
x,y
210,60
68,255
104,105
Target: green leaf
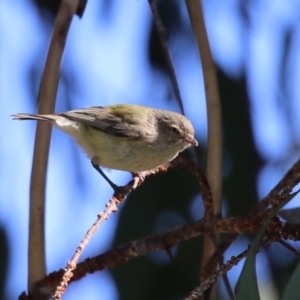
x,y
292,289
247,287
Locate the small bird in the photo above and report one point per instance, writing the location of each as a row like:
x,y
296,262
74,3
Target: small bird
x,y
123,136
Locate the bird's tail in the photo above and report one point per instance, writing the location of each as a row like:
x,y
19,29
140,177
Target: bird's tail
x,y
23,116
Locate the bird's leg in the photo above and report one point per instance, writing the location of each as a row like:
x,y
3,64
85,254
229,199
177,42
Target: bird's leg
x,y
115,187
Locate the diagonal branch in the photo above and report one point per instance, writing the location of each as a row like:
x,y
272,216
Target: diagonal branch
x,y
162,37
117,198
111,207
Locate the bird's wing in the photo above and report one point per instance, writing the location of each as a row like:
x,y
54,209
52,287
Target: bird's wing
x,y
99,118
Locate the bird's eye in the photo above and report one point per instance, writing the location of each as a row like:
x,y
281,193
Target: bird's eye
x,y
174,130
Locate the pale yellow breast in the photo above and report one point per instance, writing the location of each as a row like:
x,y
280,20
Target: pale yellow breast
x,y
119,154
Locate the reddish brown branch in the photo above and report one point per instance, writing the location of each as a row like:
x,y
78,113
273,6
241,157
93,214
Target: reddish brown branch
x,y
111,207
211,280
278,194
168,239
283,188
247,225
202,182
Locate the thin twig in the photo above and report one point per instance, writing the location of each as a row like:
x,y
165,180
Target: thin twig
x,y
111,207
68,273
162,37
289,247
202,182
47,96
198,291
214,260
287,183
228,288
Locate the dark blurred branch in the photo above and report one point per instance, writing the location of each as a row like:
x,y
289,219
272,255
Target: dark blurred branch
x,y
47,96
289,247
162,37
81,8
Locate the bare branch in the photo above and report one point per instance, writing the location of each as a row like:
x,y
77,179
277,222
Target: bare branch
x,y
214,143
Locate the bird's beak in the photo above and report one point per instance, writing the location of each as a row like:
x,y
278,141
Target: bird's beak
x,y
190,139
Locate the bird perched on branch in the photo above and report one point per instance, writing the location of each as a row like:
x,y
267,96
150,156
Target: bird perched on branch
x,y
124,137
